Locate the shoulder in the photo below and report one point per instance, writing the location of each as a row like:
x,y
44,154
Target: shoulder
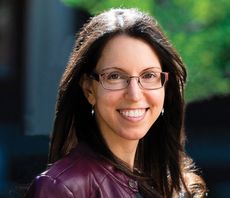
x,y
45,186
193,181
80,173
80,162
83,174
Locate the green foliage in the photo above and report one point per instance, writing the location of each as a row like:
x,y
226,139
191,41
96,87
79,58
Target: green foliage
x,y
96,6
198,29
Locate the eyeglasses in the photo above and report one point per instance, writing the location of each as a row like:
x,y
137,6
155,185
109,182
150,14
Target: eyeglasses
x,y
117,80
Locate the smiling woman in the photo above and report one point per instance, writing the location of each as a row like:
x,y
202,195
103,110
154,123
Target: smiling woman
x,y
118,130
126,113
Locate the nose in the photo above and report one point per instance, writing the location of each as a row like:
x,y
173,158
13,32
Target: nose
x,y
133,92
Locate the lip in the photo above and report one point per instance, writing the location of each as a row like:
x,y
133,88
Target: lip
x,y
134,114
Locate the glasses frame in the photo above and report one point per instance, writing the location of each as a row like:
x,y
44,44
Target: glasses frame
x,y
99,77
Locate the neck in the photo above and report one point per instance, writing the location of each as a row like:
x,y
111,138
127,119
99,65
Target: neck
x,y
125,151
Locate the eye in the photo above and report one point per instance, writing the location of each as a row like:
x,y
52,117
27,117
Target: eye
x,y
115,76
149,75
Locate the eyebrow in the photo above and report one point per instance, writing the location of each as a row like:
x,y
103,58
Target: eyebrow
x,y
118,68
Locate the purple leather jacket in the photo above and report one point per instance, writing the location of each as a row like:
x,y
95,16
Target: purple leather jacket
x,y
81,174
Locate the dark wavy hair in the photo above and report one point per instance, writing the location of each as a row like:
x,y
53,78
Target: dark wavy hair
x,y
162,163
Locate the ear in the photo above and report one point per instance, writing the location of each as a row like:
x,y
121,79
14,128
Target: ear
x,y
87,88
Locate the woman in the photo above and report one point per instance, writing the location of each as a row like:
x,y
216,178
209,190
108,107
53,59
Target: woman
x,y
118,130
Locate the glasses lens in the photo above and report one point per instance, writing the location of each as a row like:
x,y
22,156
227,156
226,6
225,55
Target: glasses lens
x,y
114,80
117,80
152,80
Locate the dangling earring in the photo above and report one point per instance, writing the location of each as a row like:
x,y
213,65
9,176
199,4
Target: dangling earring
x,y
162,112
92,111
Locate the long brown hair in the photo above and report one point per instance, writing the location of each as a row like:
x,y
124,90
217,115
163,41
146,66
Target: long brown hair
x,y
161,152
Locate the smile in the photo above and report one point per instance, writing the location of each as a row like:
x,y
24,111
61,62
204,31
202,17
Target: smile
x,y
133,113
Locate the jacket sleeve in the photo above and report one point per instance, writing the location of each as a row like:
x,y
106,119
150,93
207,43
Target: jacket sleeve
x,y
47,187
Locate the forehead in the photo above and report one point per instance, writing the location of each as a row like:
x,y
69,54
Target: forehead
x,y
128,53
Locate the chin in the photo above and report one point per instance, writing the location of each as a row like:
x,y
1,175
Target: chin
x,y
134,137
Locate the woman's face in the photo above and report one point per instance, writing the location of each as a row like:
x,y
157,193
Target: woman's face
x,y
129,113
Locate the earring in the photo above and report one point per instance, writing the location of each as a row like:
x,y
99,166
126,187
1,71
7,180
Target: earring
x,y
162,112
92,111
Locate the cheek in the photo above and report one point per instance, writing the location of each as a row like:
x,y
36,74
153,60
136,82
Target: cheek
x,y
106,99
105,108
103,98
156,98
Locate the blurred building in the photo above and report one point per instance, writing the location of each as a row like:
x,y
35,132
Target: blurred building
x,y
36,38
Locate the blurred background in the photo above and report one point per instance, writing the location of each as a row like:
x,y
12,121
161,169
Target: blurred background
x,y
36,38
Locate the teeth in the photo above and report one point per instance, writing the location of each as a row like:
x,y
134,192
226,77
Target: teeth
x,y
133,113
